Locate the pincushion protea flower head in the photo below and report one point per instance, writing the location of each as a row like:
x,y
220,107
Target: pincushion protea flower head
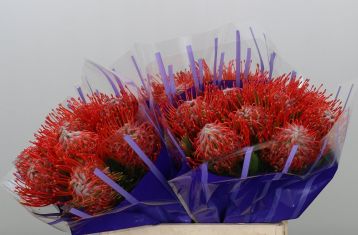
x,y
72,142
214,141
58,168
88,192
38,181
285,139
250,121
115,147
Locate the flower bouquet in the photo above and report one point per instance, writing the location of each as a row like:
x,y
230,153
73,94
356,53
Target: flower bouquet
x,y
214,128
96,160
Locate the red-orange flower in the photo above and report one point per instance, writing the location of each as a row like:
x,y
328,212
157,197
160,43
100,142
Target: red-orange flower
x,y
88,192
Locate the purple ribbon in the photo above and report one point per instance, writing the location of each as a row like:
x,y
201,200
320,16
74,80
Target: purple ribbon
x,y
56,221
109,79
100,174
238,59
147,162
163,74
258,50
201,72
272,59
192,66
171,80
79,90
247,63
79,213
247,160
293,74
221,67
89,85
156,127
139,72
181,152
216,45
349,94
118,79
338,91
290,159
204,180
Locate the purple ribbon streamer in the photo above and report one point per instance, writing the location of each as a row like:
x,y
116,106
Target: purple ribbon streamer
x,y
247,160
293,74
109,79
201,72
163,74
238,59
204,180
304,196
79,213
79,90
148,162
151,101
272,59
216,45
139,72
290,159
349,94
100,174
338,91
258,50
119,83
118,80
192,66
89,85
56,221
247,63
171,80
221,67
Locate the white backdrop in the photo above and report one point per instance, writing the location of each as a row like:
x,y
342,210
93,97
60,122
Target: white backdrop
x,y
43,44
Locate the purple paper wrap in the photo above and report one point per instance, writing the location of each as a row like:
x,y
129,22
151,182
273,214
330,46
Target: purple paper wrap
x,y
258,199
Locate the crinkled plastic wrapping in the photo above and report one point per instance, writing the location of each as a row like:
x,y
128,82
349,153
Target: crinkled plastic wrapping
x,y
267,198
150,202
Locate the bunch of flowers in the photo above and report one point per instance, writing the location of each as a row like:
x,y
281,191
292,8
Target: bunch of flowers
x,y
58,168
213,121
101,162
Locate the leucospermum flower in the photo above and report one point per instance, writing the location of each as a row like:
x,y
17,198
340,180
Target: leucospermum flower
x,y
88,192
284,110
285,139
39,182
115,147
215,141
75,140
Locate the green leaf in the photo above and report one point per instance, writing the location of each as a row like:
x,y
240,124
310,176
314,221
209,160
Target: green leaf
x,y
187,146
254,164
